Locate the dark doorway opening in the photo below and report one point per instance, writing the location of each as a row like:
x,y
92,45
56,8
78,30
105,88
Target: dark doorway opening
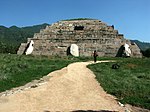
x,y
27,46
120,52
68,51
78,27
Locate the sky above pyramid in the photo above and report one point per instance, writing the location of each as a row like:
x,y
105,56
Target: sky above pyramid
x,y
130,17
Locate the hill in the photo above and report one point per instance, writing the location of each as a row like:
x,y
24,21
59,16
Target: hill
x,y
142,45
10,38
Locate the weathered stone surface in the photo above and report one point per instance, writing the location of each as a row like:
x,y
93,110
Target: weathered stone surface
x,y
74,50
88,35
127,50
30,48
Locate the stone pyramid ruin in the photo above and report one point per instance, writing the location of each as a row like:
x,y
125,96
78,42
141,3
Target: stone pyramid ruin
x,y
87,34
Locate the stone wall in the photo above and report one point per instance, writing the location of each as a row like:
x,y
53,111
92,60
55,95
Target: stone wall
x,y
89,35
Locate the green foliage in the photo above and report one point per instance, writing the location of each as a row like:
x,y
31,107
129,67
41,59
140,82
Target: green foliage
x,y
11,38
130,83
8,48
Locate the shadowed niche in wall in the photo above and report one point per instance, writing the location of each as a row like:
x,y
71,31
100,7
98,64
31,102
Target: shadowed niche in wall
x,y
68,51
29,48
78,27
120,51
28,44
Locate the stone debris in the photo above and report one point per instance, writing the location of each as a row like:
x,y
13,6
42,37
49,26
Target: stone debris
x,y
29,48
127,50
74,50
122,105
88,35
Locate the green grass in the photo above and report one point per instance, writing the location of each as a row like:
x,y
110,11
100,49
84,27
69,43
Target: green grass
x,y
130,83
16,70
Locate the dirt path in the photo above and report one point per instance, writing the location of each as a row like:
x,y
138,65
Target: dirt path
x,y
71,88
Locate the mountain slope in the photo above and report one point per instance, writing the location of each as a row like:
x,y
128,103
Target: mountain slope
x,y
10,38
142,45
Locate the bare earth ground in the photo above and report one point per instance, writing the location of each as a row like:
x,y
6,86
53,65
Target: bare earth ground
x,y
69,89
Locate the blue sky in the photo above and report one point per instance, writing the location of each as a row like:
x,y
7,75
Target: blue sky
x,y
130,17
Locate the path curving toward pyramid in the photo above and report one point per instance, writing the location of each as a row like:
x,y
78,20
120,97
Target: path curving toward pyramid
x,y
69,89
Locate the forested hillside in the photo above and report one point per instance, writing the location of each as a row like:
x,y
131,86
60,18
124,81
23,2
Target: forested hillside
x,y
10,38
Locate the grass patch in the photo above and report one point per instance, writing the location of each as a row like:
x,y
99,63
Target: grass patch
x,y
130,83
17,70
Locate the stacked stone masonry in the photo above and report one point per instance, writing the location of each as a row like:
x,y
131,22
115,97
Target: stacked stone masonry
x,y
89,35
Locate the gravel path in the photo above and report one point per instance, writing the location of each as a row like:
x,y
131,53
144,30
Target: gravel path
x,y
69,89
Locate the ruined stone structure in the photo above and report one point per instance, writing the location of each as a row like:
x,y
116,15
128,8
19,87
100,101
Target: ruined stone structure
x,y
88,35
